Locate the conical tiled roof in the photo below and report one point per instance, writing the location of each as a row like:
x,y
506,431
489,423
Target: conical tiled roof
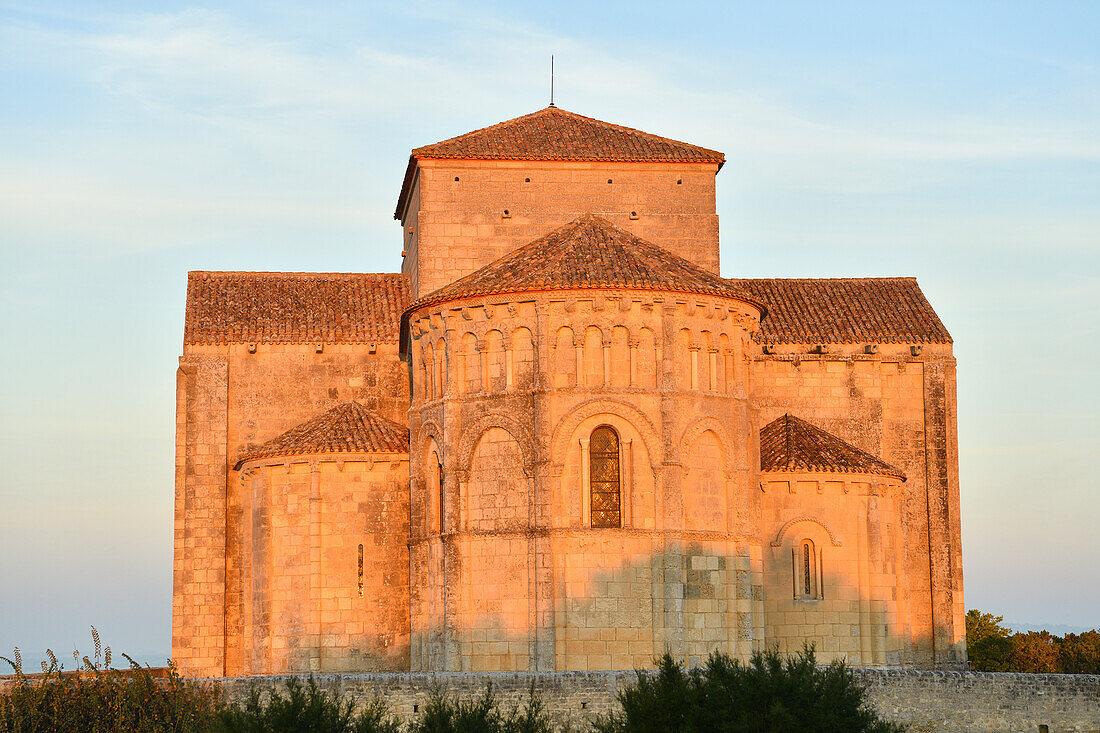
x,y
791,444
346,428
587,253
556,134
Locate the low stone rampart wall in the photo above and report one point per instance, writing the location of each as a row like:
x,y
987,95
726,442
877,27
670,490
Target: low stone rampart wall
x,y
927,701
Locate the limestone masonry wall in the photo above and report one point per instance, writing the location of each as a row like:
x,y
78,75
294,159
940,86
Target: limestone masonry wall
x,y
926,701
463,214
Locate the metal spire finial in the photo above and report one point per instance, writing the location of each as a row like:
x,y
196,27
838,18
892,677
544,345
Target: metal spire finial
x,y
551,80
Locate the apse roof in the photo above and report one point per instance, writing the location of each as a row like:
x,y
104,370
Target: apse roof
x,y
792,444
557,134
294,307
587,253
346,428
845,310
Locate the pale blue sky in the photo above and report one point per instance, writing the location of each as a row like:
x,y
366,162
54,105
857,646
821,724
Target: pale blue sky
x,y
956,142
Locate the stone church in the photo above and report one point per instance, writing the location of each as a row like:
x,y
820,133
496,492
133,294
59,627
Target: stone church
x,y
560,438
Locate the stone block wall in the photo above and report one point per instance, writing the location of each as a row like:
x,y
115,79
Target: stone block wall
x,y
231,398
926,701
325,564
898,406
832,575
518,575
463,214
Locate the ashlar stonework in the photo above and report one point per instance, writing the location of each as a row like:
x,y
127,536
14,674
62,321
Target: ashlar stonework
x,y
559,439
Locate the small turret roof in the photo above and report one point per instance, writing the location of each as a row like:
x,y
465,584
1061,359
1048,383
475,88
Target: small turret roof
x,y
791,444
557,134
587,253
346,428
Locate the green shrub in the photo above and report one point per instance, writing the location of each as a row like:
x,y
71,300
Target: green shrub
x,y
771,694
446,715
305,708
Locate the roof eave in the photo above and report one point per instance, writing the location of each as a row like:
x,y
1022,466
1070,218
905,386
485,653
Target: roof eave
x,y
282,458
896,475
406,188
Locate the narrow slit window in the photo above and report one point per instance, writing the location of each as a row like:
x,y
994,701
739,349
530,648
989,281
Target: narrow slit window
x,y
603,459
360,571
807,571
807,580
439,494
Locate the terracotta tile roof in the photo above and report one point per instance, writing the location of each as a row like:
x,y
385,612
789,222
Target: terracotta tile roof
x,y
790,444
845,310
556,134
294,307
587,253
346,428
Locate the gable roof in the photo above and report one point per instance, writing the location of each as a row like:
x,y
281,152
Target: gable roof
x,y
587,253
294,307
557,134
845,310
791,444
346,428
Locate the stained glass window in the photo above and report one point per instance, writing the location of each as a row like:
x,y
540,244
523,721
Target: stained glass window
x,y
603,459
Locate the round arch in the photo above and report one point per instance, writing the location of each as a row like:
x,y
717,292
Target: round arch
x,y
702,425
778,541
586,410
472,434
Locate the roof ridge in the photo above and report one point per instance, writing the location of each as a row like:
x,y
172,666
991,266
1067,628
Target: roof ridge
x,y
226,273
868,278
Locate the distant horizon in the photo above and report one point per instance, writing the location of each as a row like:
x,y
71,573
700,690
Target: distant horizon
x,y
949,142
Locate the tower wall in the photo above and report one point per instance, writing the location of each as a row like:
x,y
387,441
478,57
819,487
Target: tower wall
x,y
455,221
509,390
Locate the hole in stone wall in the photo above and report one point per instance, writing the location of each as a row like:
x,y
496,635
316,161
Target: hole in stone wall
x,y
609,180
416,708
679,181
1044,729
456,178
506,215
526,180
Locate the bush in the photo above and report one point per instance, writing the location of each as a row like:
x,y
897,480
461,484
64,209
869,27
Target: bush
x,y
305,708
771,694
98,698
445,715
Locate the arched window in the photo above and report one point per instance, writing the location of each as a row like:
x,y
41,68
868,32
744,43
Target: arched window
x,y
807,571
434,510
604,477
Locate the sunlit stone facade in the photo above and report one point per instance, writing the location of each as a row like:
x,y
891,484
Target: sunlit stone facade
x,y
611,451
